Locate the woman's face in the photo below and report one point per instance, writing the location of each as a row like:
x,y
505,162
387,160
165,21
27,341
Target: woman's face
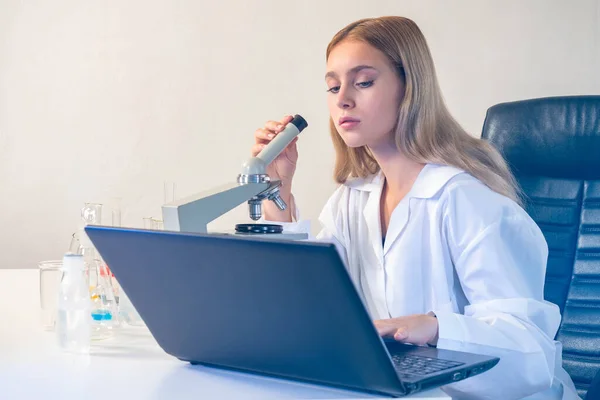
x,y
364,94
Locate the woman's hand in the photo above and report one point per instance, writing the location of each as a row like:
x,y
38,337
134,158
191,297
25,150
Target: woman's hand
x,y
417,329
284,165
282,168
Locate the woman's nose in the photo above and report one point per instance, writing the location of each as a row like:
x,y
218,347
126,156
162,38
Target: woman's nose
x,y
345,101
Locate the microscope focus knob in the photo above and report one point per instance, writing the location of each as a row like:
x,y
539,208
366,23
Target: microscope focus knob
x,y
279,201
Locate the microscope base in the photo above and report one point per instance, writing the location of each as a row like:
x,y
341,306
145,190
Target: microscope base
x,y
276,236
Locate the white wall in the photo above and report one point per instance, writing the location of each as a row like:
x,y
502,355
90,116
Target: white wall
x,y
109,98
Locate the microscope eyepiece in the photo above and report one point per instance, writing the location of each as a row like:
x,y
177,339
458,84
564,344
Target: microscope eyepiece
x,y
299,122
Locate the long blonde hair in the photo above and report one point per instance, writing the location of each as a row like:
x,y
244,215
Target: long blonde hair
x,y
425,132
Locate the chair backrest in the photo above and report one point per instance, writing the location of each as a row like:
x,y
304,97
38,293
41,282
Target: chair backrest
x,y
552,146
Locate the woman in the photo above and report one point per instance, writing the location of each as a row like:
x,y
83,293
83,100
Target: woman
x,y
428,218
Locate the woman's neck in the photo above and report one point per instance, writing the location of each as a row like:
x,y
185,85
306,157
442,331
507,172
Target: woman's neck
x,y
399,171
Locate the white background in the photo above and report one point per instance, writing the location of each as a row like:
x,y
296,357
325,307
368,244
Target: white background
x,y
105,99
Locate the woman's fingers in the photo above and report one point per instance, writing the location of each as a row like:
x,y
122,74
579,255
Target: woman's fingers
x,y
264,135
385,329
257,148
277,126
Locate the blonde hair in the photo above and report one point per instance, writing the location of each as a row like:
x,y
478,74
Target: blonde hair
x,y
425,132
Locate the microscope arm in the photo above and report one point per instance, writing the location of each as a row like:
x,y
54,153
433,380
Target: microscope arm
x,y
192,214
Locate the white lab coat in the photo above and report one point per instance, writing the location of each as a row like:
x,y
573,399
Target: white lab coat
x,y
470,255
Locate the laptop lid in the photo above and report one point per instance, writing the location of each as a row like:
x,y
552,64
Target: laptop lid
x,y
266,306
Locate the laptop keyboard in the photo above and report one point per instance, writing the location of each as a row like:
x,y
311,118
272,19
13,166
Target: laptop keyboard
x,y
419,365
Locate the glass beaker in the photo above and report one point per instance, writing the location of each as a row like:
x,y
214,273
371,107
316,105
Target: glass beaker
x,y
102,293
91,213
50,273
104,312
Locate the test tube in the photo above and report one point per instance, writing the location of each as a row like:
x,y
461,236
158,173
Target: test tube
x,y
116,212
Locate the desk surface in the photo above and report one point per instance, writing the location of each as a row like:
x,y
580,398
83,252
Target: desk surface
x,y
126,366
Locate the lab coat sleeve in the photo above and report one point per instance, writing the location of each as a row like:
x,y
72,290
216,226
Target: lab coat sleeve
x,y
501,270
298,225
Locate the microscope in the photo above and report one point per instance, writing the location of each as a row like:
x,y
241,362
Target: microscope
x,y
193,213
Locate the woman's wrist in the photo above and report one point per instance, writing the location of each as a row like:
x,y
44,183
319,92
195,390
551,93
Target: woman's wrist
x,y
433,342
272,213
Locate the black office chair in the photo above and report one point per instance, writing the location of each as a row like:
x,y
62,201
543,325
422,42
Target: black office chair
x,y
553,147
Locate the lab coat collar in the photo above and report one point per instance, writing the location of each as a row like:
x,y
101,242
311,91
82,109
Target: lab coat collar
x,y
431,179
429,182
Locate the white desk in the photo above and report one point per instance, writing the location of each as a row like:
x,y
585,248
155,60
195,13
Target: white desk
x,y
128,366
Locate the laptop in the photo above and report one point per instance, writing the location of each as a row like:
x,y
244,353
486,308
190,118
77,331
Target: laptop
x,y
280,308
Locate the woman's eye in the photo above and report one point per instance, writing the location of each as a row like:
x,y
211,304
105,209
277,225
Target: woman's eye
x,y
334,89
365,84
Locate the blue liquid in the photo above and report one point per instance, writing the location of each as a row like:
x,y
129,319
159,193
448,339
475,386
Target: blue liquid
x,y
100,315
